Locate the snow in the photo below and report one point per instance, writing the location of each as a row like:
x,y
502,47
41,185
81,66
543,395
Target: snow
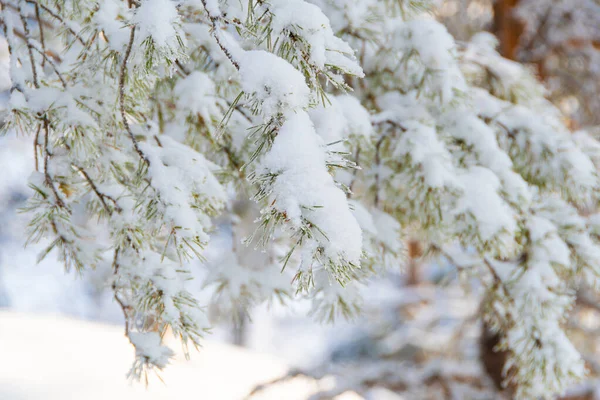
x,y
388,230
435,48
148,346
552,248
492,168
481,198
197,94
539,299
296,154
323,46
510,74
108,18
178,172
275,83
212,6
43,357
363,217
331,123
357,117
159,20
421,145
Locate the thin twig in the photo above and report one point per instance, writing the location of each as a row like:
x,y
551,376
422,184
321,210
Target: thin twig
x,y
47,155
217,37
41,28
100,195
393,123
122,76
53,65
35,147
29,48
56,16
355,172
378,165
182,67
124,307
485,261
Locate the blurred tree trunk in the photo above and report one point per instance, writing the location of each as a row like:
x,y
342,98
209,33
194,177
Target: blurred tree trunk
x,y
240,329
415,251
507,27
493,361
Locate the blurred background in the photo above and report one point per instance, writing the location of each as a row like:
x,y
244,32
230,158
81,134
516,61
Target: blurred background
x,y
419,336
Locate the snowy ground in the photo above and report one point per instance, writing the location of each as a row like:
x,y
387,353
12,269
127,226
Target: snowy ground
x,y
52,358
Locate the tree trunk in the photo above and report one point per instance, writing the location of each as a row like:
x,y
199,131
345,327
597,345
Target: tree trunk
x,y
507,27
415,251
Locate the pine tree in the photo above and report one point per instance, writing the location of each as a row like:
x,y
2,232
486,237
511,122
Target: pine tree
x,y
560,39
323,133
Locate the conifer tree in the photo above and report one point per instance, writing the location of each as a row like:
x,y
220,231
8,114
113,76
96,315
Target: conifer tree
x,y
323,132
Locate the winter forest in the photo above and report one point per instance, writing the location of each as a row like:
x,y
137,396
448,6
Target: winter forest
x,y
397,199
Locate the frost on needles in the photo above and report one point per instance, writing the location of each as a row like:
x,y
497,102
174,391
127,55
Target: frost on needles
x,y
321,132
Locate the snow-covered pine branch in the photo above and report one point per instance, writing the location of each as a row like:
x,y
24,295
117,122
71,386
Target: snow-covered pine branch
x,y
468,150
123,97
319,133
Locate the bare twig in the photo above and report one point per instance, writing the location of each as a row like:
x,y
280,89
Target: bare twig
x,y
53,65
36,144
56,16
378,165
41,28
355,171
101,196
47,155
215,33
122,76
29,47
124,307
